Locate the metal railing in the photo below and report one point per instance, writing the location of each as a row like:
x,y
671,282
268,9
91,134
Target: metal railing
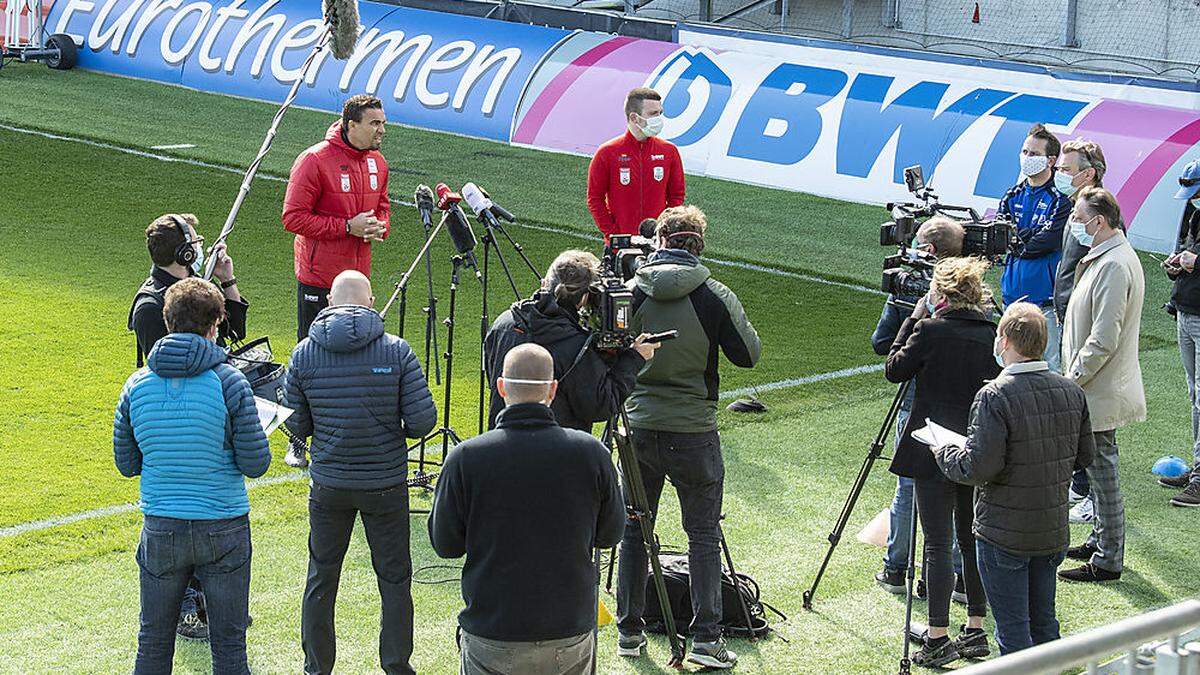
x,y
1127,636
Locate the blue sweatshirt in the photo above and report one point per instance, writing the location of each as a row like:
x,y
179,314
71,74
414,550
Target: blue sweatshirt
x,y
1040,214
188,425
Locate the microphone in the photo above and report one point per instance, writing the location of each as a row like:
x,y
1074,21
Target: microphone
x,y
341,17
481,203
424,200
456,222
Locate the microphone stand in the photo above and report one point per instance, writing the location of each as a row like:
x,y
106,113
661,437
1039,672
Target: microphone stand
x,y
490,243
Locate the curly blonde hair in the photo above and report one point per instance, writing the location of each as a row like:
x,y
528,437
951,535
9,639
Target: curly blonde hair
x,y
960,282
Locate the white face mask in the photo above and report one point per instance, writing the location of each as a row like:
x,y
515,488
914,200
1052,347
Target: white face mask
x,y
1064,183
998,352
1079,231
651,126
1032,165
198,263
513,380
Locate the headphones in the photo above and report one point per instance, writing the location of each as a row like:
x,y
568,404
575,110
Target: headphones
x,y
185,253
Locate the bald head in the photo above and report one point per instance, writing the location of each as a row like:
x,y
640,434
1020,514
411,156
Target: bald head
x,y
351,288
528,375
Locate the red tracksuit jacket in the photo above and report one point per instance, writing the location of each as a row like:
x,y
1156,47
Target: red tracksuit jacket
x,y
631,180
330,183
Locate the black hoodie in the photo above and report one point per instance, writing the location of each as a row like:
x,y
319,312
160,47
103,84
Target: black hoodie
x,y
591,388
1186,293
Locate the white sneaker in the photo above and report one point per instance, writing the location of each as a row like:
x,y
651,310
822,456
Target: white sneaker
x,y
1083,511
1074,497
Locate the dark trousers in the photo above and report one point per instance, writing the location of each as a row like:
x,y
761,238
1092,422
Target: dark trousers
x,y
1079,483
310,300
946,510
331,514
218,553
1020,590
694,466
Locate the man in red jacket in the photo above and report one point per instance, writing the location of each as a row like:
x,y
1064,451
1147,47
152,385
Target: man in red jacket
x,y
635,176
337,204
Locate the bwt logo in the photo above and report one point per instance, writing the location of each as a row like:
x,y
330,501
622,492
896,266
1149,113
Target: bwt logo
x,y
223,38
781,122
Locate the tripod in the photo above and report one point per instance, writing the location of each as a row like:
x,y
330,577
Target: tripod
x,y
430,310
490,243
617,432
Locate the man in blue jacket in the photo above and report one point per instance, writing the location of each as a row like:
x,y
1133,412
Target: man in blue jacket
x,y
188,425
359,393
1039,211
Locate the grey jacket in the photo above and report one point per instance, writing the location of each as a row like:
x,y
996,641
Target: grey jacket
x,y
359,392
1029,431
1064,280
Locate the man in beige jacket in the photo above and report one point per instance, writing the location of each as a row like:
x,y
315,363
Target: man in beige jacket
x,y
1100,350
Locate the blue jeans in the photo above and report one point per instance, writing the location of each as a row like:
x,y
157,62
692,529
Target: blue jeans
x,y
896,558
694,466
217,552
1020,590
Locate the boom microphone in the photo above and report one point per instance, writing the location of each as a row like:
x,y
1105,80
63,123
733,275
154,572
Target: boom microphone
x,y
342,18
423,198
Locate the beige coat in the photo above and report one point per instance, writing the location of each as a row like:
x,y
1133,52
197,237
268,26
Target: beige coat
x,y
1100,337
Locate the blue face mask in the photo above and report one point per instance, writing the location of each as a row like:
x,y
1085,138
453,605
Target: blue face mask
x,y
198,263
1079,231
998,353
930,306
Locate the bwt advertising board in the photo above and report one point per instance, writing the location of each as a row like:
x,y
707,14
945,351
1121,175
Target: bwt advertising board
x,y
817,118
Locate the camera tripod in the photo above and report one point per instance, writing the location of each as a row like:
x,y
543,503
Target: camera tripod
x,y
490,243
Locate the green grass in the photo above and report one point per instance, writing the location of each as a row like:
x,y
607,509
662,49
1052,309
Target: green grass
x,y
71,253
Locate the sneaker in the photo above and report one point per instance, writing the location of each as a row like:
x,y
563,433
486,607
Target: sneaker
x,y
1088,573
936,652
712,655
295,456
1082,512
192,627
892,581
959,594
1074,497
971,643
1083,551
1189,497
1178,482
631,645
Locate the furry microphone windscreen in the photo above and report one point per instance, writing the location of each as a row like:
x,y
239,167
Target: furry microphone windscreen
x,y
342,18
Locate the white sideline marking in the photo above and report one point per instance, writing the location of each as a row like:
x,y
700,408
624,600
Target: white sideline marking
x,y
281,179
177,146
58,521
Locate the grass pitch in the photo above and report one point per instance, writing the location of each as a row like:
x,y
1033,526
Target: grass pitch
x,y
72,217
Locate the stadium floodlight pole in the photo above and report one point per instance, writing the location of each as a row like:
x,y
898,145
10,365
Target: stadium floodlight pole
x,y
341,33
864,472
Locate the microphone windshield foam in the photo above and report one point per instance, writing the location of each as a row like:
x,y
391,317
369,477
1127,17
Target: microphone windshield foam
x,y
342,18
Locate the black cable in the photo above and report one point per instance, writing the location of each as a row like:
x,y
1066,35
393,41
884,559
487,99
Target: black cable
x,y
434,582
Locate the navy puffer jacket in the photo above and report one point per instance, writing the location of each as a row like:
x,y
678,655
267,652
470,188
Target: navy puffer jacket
x,y
360,393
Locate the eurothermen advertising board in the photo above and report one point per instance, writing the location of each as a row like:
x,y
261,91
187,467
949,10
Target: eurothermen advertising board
x,y
825,118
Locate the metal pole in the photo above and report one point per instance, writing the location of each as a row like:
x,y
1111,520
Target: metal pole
x,y
847,18
783,12
1069,24
706,11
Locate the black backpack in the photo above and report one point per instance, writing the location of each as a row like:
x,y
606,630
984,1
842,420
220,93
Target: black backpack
x,y
733,617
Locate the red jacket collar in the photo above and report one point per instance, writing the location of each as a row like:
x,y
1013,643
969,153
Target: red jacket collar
x,y
334,137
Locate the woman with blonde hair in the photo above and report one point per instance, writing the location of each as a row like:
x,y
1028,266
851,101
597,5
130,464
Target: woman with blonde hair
x,y
945,348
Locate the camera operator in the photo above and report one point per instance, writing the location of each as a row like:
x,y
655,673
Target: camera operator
x,y
1080,165
592,385
527,503
942,238
360,393
192,489
1185,296
178,253
1100,350
949,356
1039,212
673,415
1029,428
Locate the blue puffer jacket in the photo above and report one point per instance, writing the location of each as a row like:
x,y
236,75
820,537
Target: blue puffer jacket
x,y
189,426
359,392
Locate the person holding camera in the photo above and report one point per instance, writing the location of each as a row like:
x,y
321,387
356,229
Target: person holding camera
x,y
177,252
592,385
673,415
1100,350
942,238
1080,165
193,494
1039,212
948,355
527,503
1185,296
1029,429
359,393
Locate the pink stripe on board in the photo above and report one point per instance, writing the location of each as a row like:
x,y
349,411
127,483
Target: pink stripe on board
x,y
1135,190
531,125
1129,133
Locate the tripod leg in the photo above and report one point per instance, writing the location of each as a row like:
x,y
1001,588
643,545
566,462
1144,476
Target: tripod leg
x,y
905,662
737,584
